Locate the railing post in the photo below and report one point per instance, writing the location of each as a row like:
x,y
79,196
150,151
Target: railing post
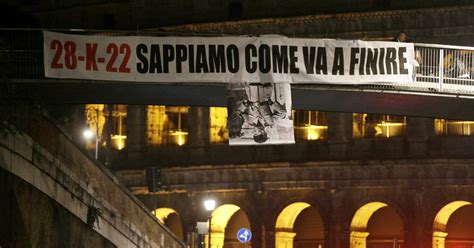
x,y
441,69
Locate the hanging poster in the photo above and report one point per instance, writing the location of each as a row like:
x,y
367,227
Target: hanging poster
x,y
259,114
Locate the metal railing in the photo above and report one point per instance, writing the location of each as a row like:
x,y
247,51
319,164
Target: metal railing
x,y
438,69
21,54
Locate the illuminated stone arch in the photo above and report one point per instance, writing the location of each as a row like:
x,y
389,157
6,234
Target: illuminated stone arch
x,y
171,219
222,216
376,211
285,223
441,221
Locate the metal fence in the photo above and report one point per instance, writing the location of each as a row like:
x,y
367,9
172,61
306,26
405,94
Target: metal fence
x,y
438,68
21,54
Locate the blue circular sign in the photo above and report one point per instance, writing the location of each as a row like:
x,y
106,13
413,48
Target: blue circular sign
x,y
244,235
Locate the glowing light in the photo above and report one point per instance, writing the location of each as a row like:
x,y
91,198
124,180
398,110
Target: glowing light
x,y
445,127
314,132
95,119
209,204
390,128
390,124
96,116
461,122
309,125
88,134
118,141
166,125
179,136
365,125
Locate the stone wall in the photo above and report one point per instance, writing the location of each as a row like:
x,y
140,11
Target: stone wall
x,y
70,182
420,141
415,189
20,209
450,25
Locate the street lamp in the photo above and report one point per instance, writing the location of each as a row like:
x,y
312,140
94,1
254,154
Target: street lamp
x,y
209,205
88,134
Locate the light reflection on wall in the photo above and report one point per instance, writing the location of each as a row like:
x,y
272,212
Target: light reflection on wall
x,y
309,124
156,118
167,125
119,116
95,113
448,127
374,125
218,122
440,224
99,113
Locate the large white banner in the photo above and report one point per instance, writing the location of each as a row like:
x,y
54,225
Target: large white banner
x,y
226,59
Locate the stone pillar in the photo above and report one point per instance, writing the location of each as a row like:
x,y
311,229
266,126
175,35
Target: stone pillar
x,y
136,128
199,123
338,234
267,225
359,239
191,237
217,240
108,134
284,239
339,133
260,240
339,126
198,137
418,225
439,239
418,131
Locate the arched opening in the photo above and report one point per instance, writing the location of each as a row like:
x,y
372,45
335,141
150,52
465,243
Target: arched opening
x,y
299,225
376,225
238,220
385,228
226,220
452,227
170,218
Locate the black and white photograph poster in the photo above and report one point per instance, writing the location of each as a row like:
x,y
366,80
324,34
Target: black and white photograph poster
x,y
259,114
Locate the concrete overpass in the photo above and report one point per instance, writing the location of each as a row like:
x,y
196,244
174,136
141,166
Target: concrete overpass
x,y
440,89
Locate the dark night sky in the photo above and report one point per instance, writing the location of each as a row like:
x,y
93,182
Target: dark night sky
x,y
131,14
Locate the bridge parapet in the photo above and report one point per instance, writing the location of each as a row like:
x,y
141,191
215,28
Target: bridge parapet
x,y
50,162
